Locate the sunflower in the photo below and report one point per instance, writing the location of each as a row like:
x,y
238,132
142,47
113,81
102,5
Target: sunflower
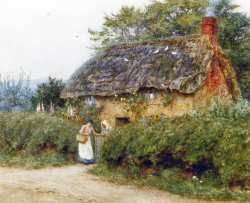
x,y
63,114
149,119
74,110
68,117
98,118
157,116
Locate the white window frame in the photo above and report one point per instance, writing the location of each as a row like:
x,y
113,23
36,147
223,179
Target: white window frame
x,y
89,100
149,93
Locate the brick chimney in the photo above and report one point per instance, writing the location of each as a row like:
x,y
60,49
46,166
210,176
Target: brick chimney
x,y
210,28
214,75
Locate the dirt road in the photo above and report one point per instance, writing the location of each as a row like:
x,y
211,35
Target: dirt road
x,y
73,184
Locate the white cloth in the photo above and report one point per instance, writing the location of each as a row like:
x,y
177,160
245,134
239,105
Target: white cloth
x,y
85,151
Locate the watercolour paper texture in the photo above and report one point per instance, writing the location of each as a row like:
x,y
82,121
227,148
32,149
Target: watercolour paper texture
x,y
159,89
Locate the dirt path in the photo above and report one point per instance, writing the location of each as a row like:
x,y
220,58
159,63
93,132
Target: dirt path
x,y
73,184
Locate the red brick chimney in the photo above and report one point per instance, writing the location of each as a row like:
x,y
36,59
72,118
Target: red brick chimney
x,y
214,78
210,28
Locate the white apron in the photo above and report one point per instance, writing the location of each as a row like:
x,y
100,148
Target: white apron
x,y
85,151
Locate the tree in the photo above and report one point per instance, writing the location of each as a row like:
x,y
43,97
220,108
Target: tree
x,y
234,38
173,18
157,20
126,26
48,92
15,94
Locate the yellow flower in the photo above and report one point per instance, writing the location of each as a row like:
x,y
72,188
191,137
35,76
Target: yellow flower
x,y
74,110
63,114
149,119
98,118
68,117
157,116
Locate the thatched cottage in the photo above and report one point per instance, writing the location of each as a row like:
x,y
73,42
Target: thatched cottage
x,y
194,68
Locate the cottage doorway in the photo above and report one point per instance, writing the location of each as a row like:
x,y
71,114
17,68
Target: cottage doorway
x,y
120,121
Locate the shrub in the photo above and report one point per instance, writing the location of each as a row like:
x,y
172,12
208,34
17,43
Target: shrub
x,y
192,144
37,134
229,110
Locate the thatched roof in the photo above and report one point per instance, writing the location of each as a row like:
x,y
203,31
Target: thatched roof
x,y
180,64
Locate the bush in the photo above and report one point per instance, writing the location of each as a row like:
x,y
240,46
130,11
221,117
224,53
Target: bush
x,y
229,110
37,134
191,144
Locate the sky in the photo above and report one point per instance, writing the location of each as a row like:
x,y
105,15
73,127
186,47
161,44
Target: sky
x,y
46,38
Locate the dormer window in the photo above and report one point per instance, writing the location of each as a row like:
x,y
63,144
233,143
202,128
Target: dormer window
x,y
89,100
149,93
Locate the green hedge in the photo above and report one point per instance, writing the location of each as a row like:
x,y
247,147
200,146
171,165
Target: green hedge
x,y
37,137
192,144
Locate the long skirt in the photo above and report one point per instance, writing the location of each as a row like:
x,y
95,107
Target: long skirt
x,y
98,141
85,152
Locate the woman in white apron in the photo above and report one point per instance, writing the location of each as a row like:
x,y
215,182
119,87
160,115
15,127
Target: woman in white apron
x,y
85,151
106,128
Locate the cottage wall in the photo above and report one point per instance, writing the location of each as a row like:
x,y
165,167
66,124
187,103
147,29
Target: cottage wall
x,y
181,104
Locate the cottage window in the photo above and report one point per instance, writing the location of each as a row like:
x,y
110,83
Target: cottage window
x,y
89,100
149,93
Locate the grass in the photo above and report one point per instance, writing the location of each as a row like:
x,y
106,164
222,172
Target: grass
x,y
169,180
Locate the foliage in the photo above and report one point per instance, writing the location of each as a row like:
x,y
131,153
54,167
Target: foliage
x,y
15,94
233,34
157,20
168,97
229,110
196,144
48,92
37,137
245,84
136,103
126,26
81,112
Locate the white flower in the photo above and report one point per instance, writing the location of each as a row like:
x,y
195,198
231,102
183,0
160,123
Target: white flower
x,y
126,59
201,181
174,52
166,48
194,177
